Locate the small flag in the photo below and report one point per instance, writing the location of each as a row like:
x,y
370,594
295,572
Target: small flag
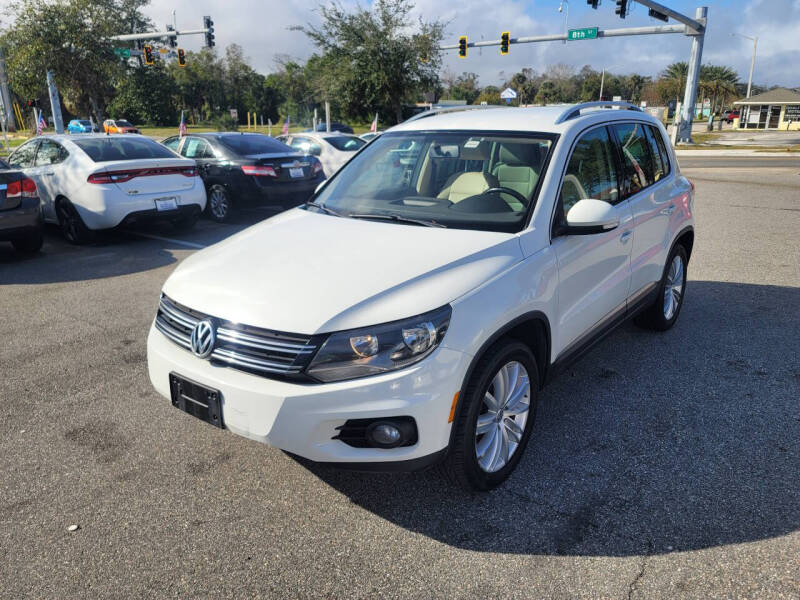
x,y
182,126
285,129
374,127
41,125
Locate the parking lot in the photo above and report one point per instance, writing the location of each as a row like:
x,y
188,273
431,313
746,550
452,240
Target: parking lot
x,y
661,465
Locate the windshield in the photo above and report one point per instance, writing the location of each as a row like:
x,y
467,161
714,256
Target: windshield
x,y
123,123
87,123
253,143
104,149
345,143
465,180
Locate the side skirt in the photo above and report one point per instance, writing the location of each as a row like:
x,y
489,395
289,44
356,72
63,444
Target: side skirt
x,y
635,304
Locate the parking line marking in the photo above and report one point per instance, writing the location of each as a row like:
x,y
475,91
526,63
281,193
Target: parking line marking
x,y
170,240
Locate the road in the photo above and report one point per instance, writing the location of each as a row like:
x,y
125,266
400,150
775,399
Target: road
x,y
661,465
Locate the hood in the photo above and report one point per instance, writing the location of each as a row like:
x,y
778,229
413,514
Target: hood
x,y
307,273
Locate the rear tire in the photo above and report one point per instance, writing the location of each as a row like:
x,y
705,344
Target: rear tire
x,y
483,454
664,311
71,224
29,245
219,206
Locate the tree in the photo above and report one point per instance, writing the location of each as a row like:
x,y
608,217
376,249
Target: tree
x,y
146,96
71,37
464,87
370,57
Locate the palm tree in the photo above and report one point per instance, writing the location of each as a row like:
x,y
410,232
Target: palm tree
x,y
677,73
719,82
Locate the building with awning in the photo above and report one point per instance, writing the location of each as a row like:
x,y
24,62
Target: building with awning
x,y
775,109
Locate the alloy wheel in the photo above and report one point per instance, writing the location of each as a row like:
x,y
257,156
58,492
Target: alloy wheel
x,y
218,203
69,222
502,418
673,288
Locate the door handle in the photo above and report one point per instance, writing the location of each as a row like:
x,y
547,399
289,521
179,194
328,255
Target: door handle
x,y
669,210
626,236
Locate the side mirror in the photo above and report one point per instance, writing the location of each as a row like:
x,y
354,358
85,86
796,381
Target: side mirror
x,y
590,216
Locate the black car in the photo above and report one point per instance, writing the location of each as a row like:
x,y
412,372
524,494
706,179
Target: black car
x,y
340,127
248,168
20,214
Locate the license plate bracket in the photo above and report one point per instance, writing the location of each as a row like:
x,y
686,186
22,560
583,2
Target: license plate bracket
x,y
170,203
198,400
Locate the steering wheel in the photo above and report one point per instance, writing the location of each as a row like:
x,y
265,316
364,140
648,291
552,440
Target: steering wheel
x,y
506,190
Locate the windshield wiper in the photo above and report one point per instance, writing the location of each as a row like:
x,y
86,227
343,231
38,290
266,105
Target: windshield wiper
x,y
324,209
397,218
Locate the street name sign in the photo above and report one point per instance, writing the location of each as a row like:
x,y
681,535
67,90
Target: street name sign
x,y
585,33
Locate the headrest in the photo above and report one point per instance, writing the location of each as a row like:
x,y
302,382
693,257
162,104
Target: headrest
x,y
519,154
475,150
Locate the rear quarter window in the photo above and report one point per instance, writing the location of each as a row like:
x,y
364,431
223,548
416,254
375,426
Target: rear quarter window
x,y
107,149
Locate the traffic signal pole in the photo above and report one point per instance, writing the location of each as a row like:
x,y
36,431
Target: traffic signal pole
x,y
693,27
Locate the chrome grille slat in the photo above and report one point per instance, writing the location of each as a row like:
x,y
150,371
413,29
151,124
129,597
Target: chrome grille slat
x,y
267,354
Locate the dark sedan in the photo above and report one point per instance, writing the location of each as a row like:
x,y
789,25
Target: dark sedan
x,y
248,168
20,215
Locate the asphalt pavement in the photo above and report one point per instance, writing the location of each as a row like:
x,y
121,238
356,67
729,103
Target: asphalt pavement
x,y
661,465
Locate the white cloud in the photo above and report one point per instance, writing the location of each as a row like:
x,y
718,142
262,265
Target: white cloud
x,y
261,28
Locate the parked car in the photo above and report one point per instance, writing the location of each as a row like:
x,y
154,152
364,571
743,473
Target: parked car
x,y
335,126
20,217
81,126
398,322
248,168
96,181
332,149
370,135
119,126
729,115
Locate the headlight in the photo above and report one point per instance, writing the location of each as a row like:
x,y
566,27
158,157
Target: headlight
x,y
373,350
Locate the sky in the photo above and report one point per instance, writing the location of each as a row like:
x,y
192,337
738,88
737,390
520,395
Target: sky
x,y
261,27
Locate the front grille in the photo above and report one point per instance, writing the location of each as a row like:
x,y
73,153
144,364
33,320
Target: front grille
x,y
260,351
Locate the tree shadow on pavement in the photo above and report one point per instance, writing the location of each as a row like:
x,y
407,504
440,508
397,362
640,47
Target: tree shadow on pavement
x,y
651,443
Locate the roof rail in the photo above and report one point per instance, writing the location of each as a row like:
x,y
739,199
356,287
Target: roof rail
x,y
446,109
575,110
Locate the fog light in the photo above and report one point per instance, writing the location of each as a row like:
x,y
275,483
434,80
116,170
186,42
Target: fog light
x,y
384,435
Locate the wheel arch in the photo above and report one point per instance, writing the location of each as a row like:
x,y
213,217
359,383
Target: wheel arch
x,y
532,329
685,238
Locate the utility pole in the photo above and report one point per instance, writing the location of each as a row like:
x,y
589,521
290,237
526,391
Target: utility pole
x,y
602,81
55,102
5,96
752,61
690,97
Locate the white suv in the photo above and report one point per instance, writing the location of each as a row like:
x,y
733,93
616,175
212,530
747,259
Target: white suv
x,y
412,312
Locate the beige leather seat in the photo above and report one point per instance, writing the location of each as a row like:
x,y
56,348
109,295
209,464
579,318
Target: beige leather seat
x,y
470,183
516,168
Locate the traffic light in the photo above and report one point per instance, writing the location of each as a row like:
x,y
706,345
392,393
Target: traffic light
x,y
209,25
173,41
181,57
657,15
462,47
34,103
505,42
148,55
593,3
622,8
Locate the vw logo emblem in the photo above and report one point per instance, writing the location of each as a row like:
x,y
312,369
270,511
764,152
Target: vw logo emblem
x,y
204,336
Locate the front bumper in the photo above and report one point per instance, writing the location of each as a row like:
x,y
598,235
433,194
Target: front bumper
x,y
302,418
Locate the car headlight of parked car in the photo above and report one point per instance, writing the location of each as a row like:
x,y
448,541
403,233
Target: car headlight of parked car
x,y
373,350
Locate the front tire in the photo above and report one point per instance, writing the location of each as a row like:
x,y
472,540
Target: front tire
x,y
664,311
219,206
495,419
71,224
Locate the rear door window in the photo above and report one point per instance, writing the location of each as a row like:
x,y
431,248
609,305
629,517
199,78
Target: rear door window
x,y
197,148
172,143
658,150
637,162
110,148
50,153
